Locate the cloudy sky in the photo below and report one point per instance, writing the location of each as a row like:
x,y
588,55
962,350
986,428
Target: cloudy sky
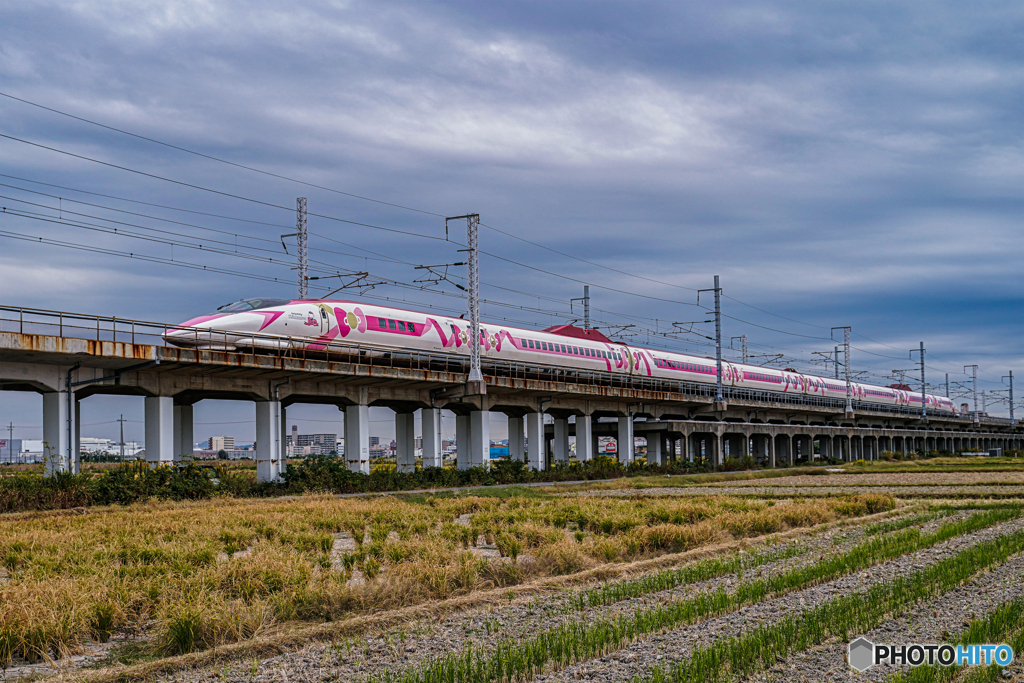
x,y
836,164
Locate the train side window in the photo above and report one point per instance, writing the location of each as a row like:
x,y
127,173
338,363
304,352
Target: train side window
x,y
391,324
563,348
412,327
522,343
544,346
529,342
381,323
401,326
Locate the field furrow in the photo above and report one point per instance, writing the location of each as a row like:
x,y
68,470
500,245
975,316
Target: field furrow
x,y
639,658
941,620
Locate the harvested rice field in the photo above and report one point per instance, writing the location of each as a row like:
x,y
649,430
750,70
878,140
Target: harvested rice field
x,y
751,580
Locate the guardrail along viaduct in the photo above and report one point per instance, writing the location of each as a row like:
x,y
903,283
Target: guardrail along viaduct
x,y
69,357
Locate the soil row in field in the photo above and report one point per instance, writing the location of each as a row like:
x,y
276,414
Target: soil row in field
x,y
679,644
938,621
484,629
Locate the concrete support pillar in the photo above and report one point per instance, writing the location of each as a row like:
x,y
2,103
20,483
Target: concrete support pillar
x,y
790,452
535,440
76,448
430,423
462,442
561,441
624,443
282,450
184,439
56,436
585,442
480,438
268,440
654,448
357,438
159,430
718,451
771,451
515,439
405,442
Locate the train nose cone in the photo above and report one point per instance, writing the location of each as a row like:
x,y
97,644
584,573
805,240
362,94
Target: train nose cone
x,y
191,332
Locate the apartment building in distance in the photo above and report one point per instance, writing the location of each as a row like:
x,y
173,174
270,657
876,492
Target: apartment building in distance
x,y
221,443
311,444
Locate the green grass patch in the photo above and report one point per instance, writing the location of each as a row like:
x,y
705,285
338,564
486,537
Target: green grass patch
x,y
580,640
738,657
901,523
668,579
1004,624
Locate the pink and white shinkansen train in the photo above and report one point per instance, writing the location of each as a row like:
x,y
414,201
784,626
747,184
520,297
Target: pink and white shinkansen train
x,y
316,324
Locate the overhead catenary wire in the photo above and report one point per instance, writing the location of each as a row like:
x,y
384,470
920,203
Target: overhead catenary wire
x,y
377,255
595,264
279,176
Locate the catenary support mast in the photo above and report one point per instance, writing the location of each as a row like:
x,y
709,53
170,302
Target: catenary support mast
x,y
301,238
472,230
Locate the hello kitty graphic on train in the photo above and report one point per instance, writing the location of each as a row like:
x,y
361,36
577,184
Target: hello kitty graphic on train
x,y
319,324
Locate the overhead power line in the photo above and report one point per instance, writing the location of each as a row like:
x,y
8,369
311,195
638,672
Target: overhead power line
x,y
218,159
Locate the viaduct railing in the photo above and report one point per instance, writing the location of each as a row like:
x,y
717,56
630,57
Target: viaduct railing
x,y
36,321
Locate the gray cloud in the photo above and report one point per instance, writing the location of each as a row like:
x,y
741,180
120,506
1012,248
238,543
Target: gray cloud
x,y
838,165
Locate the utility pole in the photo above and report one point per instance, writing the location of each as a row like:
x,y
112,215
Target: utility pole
x,y
947,385
719,400
586,306
835,361
924,387
718,341
743,345
472,228
1012,421
846,362
974,391
10,433
121,420
301,238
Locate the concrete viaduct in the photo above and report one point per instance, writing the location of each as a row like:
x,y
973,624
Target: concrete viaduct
x,y
68,358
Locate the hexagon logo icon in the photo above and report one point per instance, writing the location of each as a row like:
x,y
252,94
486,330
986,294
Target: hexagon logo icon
x,y
861,654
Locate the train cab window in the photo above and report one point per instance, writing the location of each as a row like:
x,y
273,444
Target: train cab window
x,y
391,324
401,326
323,313
382,324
